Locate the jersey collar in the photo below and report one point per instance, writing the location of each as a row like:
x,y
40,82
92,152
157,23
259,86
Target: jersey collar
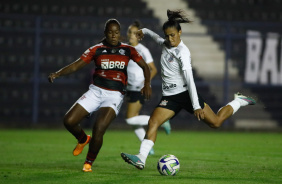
x,y
109,45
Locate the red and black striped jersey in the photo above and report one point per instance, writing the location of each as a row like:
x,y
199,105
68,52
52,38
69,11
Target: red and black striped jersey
x,y
111,64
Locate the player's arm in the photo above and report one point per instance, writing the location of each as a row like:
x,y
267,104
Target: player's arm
x,y
153,69
78,64
140,34
189,79
146,90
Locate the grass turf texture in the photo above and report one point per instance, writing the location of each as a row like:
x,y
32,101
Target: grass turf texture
x,y
45,156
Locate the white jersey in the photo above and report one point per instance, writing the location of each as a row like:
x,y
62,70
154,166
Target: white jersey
x,y
176,70
135,81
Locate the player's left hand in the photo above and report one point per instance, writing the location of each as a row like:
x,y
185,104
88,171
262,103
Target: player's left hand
x,y
146,91
200,114
52,77
139,34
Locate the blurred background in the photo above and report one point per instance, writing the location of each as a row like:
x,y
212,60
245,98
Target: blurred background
x,y
235,46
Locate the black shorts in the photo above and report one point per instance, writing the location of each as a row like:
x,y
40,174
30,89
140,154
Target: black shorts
x,y
134,96
178,102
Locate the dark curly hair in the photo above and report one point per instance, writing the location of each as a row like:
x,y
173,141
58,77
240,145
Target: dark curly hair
x,y
111,21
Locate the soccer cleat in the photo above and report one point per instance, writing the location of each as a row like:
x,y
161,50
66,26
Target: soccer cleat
x,y
166,126
87,168
245,100
79,147
152,152
133,160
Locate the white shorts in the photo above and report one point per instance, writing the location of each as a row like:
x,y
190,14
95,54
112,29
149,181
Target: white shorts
x,y
96,98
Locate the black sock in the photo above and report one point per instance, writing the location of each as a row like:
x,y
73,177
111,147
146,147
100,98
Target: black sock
x,y
90,158
81,137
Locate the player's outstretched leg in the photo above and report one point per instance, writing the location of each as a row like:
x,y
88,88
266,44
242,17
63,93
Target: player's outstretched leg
x,y
216,120
244,100
79,147
133,160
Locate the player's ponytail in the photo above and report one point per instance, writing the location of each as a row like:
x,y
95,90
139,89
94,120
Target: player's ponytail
x,y
175,18
137,24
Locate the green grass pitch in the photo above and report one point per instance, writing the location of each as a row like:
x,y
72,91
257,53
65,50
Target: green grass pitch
x,y
45,156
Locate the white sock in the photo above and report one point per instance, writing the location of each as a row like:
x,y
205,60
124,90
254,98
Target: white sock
x,y
140,133
141,120
242,102
145,148
235,104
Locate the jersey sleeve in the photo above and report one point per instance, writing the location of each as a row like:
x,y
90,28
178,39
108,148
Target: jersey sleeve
x,y
185,60
153,35
88,55
147,55
135,56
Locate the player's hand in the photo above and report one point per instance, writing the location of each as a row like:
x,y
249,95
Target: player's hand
x,y
200,114
52,76
139,35
146,91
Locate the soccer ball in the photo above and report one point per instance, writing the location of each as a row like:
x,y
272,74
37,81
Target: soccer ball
x,y
168,165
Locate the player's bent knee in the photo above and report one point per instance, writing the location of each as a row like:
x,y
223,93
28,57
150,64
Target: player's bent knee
x,y
100,131
214,125
153,124
68,121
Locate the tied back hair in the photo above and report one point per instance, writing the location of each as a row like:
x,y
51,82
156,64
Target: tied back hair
x,y
175,18
137,24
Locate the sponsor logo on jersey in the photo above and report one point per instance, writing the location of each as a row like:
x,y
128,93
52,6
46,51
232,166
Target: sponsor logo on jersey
x,y
118,77
163,103
103,74
112,64
170,86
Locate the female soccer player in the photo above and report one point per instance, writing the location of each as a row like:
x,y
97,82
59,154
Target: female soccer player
x,y
106,94
179,90
135,84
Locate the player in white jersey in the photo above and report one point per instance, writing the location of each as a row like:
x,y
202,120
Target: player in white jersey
x,y
135,84
179,90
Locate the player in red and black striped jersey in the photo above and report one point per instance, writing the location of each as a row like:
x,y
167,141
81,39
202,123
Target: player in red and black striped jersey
x,y
111,64
106,94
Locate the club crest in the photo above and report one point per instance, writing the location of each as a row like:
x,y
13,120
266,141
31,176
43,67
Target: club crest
x,y
122,52
163,103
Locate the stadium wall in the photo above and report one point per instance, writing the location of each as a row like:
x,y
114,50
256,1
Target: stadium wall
x,y
36,44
